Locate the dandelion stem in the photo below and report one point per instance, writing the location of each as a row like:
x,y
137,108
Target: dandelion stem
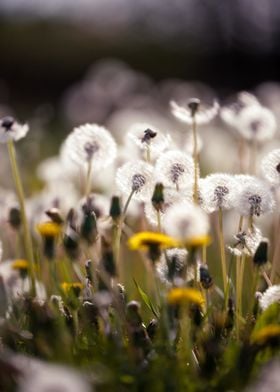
x,y
222,248
158,220
195,158
88,178
20,194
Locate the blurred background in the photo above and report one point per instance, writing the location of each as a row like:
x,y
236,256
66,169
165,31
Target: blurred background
x,y
65,62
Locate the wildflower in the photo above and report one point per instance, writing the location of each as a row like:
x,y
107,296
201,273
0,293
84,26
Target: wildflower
x,y
266,334
135,177
218,191
175,169
148,138
203,115
20,264
75,288
10,129
15,218
89,144
269,297
146,239
187,223
270,167
255,198
115,209
171,196
247,242
184,295
256,122
205,277
49,232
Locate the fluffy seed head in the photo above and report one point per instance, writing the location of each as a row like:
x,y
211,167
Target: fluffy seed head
x,y
175,169
203,115
269,297
136,176
89,143
10,129
270,167
218,191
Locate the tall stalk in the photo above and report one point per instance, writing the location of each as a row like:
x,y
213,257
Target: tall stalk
x,y
222,248
195,158
20,195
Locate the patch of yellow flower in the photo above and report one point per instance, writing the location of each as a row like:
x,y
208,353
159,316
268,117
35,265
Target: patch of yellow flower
x,y
20,264
68,287
264,334
49,229
146,239
183,295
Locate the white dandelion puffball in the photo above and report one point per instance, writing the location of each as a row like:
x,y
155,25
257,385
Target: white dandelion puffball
x,y
255,198
171,196
270,167
89,143
136,176
269,297
146,137
10,129
218,191
256,122
175,169
203,115
185,220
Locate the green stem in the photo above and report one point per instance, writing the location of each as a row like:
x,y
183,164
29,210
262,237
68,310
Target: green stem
x,y
195,158
158,221
20,194
222,249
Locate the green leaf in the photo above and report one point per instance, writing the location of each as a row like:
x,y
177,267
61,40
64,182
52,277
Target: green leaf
x,y
146,299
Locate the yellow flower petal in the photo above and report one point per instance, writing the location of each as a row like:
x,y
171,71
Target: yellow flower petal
x,y
265,333
182,295
49,229
146,238
20,264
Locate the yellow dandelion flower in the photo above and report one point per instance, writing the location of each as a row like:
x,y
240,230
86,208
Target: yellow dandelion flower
x,y
264,334
75,287
203,240
49,229
20,264
146,239
183,295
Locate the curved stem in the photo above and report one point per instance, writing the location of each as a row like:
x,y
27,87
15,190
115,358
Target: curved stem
x,y
20,194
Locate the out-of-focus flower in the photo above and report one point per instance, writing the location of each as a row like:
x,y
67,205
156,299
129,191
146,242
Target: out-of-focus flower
x,y
270,167
266,333
184,295
144,240
75,288
89,143
137,177
10,129
49,229
255,198
186,222
175,169
269,297
203,115
247,242
218,191
146,137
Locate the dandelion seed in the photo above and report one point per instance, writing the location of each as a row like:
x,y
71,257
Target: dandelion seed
x,y
175,169
255,199
203,115
269,297
270,167
10,129
186,221
89,143
136,177
218,191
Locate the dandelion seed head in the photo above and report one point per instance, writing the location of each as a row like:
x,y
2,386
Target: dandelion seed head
x,y
270,296
255,199
246,242
256,122
218,191
136,176
89,143
203,114
175,169
10,129
185,220
270,167
145,137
